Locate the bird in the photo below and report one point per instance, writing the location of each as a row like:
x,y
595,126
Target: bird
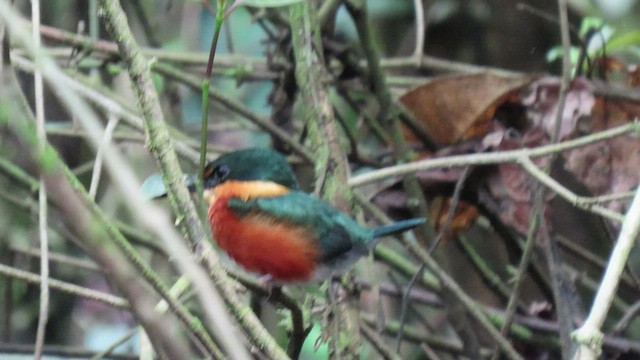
x,y
262,219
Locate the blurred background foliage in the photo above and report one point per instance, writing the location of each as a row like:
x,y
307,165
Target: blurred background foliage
x,y
496,33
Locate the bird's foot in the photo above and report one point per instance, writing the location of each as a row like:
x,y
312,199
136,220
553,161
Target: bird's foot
x,y
265,279
268,283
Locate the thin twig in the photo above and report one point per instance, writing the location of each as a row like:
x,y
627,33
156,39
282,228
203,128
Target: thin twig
x,y
418,335
563,311
432,63
111,104
405,305
535,324
469,304
453,205
279,297
234,105
18,174
97,165
626,195
376,341
59,258
80,214
63,178
490,158
65,287
527,252
43,312
206,82
455,198
443,281
488,274
111,348
418,9
589,257
565,193
626,319
591,285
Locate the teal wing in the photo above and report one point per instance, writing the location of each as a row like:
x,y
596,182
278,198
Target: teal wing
x,y
335,232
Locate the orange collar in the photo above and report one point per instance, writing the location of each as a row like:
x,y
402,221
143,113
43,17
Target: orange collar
x,y
245,190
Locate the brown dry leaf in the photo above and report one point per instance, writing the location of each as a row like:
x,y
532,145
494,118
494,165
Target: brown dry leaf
x,y
390,200
459,107
542,103
609,166
510,186
591,165
464,216
605,66
634,76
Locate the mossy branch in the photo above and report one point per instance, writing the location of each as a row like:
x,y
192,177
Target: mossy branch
x,y
160,146
312,78
84,217
331,166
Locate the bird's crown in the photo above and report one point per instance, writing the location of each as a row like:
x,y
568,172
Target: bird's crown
x,y
249,165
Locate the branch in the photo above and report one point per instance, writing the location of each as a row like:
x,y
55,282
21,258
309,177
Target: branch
x,y
84,221
109,102
330,163
215,95
53,75
66,287
160,146
588,336
331,167
567,194
43,312
444,281
501,157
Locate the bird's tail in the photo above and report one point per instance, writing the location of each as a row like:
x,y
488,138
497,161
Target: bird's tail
x,y
397,227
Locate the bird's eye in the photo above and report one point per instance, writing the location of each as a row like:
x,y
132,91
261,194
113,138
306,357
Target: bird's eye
x,y
222,172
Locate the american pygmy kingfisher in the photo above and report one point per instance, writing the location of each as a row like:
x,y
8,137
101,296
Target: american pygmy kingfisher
x,y
267,225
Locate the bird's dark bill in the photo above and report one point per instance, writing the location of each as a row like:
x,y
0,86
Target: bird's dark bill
x,y
153,186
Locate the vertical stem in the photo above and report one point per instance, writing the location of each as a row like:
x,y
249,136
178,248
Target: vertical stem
x,y
331,167
8,301
97,166
160,145
418,8
203,135
94,28
525,258
94,25
311,77
43,312
589,336
565,313
358,11
205,92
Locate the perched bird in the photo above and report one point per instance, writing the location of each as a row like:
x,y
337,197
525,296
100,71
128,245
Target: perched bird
x,y
267,225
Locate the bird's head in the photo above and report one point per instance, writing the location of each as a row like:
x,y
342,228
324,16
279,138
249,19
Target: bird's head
x,y
256,164
250,165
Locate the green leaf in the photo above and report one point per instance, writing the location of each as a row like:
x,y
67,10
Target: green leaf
x,y
556,53
590,23
624,40
268,3
598,40
314,347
